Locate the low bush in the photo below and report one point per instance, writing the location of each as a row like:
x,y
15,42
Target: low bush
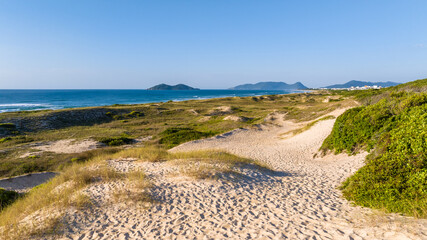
x,y
395,175
174,136
7,125
132,114
7,197
2,140
116,141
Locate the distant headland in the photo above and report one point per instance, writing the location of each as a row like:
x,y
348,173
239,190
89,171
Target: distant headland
x,y
170,87
355,83
271,86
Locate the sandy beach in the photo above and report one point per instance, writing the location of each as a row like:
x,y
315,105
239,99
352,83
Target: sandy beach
x,y
298,200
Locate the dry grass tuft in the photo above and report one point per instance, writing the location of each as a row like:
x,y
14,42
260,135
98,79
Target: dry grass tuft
x,y
148,153
210,164
40,210
138,191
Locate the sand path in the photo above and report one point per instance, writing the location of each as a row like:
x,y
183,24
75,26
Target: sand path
x,y
298,201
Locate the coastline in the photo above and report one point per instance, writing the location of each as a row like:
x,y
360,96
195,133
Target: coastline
x,y
24,100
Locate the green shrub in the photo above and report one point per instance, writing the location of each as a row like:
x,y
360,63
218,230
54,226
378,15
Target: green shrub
x,y
7,126
132,114
117,141
174,136
395,175
6,139
7,197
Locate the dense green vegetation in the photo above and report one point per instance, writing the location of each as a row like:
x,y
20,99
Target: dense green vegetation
x,y
7,197
7,125
395,127
116,141
172,137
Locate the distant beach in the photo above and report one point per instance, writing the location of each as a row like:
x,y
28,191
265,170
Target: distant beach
x,y
28,100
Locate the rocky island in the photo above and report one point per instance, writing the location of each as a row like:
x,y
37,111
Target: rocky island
x,y
170,87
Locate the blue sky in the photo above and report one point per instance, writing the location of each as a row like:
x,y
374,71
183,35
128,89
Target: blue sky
x,y
209,44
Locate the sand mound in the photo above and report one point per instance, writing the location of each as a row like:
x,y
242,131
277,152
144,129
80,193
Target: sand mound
x,y
25,182
223,110
70,146
204,119
194,112
237,118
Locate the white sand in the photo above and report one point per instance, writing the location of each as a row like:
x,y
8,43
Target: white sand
x,y
70,146
298,201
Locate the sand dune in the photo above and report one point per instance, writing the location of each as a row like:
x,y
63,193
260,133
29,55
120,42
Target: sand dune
x,y
299,200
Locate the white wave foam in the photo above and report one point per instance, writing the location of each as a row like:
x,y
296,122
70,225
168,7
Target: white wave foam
x,y
24,105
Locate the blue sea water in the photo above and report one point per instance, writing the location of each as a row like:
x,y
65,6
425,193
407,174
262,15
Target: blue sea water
x,y
25,100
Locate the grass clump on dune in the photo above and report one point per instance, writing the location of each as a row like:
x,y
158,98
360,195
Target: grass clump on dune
x,y
209,157
210,164
395,175
50,200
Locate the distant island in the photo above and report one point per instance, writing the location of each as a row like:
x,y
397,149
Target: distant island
x,y
271,86
170,87
355,83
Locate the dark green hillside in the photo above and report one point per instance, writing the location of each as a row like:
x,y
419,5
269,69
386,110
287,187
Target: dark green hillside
x,y
395,130
169,87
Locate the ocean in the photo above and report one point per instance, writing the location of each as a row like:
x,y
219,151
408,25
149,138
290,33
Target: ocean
x,y
26,100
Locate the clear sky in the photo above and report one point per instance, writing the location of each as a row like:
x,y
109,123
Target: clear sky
x,y
209,44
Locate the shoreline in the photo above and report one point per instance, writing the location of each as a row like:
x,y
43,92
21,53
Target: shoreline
x,y
72,98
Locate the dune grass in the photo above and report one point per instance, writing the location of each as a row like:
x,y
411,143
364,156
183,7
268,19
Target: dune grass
x,y
211,164
139,190
51,199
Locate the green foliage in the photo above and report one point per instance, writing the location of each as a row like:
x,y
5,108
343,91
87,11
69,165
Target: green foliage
x,y
132,114
7,126
174,136
2,140
117,141
395,175
7,197
358,127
